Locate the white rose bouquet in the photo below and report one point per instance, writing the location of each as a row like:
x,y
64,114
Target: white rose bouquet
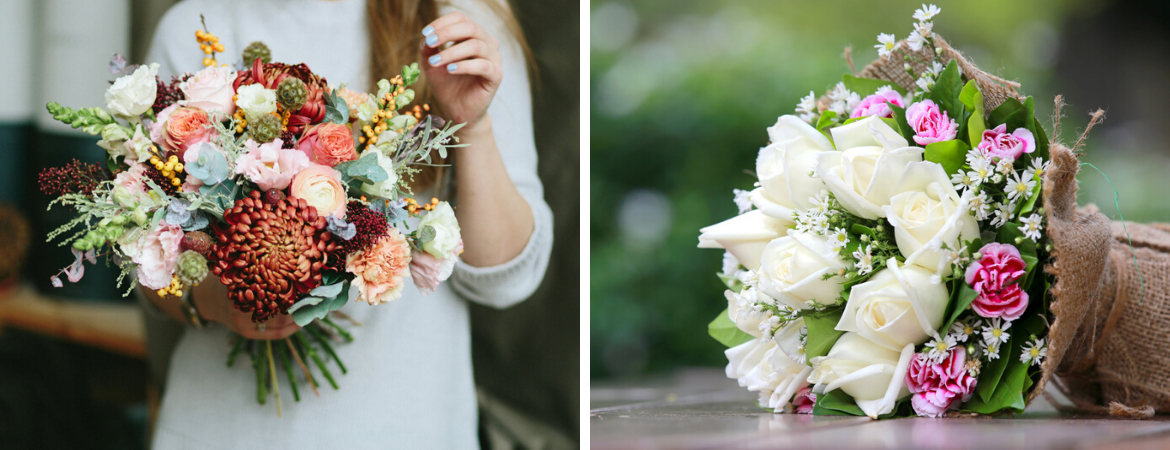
x,y
888,258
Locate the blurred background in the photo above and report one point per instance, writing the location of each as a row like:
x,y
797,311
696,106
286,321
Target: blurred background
x,y
72,360
682,91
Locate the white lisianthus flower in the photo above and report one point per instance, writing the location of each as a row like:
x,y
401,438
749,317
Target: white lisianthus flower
x,y
872,159
873,375
255,100
927,213
745,236
898,306
386,188
133,94
793,267
446,227
784,166
767,366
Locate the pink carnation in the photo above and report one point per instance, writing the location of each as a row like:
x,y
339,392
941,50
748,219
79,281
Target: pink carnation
x,y
156,255
379,270
270,166
930,124
428,271
937,387
997,142
994,278
876,104
804,401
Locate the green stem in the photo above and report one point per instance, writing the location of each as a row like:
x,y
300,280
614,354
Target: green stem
x,y
344,334
272,374
328,348
288,368
316,359
258,367
239,345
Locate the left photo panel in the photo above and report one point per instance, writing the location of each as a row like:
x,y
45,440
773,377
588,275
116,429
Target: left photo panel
x,y
298,224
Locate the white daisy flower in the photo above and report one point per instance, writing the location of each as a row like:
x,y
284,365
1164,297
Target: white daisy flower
x,y
924,28
981,169
807,108
980,206
838,239
1003,214
886,44
926,12
995,332
962,181
1032,226
915,40
1039,165
962,329
730,264
820,202
925,83
991,350
743,200
935,69
1004,166
840,92
1019,188
1034,352
864,258
852,100
940,349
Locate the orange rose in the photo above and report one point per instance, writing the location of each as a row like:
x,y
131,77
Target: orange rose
x,y
328,143
379,271
186,127
321,188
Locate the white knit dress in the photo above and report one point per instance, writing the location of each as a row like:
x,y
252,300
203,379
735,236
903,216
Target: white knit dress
x,y
410,379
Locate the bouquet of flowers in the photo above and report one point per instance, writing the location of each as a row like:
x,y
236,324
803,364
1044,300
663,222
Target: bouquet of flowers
x,y
252,174
888,261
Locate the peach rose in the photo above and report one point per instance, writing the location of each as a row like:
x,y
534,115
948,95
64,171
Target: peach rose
x,y
379,270
321,188
328,143
186,127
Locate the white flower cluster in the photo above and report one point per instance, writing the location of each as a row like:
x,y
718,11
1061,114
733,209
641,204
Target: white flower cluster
x,y
816,220
807,108
918,38
1000,174
843,100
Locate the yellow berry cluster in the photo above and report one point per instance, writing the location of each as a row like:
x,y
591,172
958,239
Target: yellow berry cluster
x,y
413,207
238,116
209,43
380,125
175,289
170,169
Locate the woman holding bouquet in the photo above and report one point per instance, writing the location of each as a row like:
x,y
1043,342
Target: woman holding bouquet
x,y
409,383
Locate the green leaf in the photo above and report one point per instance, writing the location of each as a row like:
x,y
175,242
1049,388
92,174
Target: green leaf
x,y
826,119
1027,207
836,403
410,74
968,95
1000,114
304,302
336,110
893,123
427,234
973,99
951,154
327,291
725,331
945,92
822,332
993,371
966,296
731,282
867,86
903,126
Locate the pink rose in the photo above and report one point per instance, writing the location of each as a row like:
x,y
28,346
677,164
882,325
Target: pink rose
x,y
270,166
997,142
210,89
328,143
379,270
804,401
876,104
321,188
158,127
937,387
131,178
186,127
156,256
930,124
428,271
994,278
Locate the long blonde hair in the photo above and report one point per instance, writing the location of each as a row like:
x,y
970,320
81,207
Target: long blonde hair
x,y
395,37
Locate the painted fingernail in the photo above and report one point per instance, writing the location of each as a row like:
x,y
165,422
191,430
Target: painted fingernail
x,y
429,30
451,67
432,39
434,60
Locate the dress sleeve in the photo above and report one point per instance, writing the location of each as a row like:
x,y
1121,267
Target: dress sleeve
x,y
514,281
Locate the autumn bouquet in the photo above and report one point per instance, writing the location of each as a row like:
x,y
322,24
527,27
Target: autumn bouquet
x,y
294,194
889,260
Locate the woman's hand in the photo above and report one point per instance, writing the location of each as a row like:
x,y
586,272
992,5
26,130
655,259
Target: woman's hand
x,y
466,75
211,301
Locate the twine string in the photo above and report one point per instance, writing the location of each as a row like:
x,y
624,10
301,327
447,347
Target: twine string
x,y
1117,204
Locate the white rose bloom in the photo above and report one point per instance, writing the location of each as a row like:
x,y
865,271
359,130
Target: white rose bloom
x,y
768,367
792,268
447,238
872,158
784,167
133,94
896,307
255,100
739,309
926,213
386,188
745,236
873,375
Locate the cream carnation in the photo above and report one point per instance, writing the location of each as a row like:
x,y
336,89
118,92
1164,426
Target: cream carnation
x,y
133,94
379,270
255,100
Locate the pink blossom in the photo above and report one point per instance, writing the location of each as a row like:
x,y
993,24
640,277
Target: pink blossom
x,y
997,142
211,90
804,400
876,104
157,254
930,124
131,179
157,128
270,166
937,387
428,271
994,278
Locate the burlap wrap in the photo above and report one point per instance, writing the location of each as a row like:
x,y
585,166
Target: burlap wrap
x,y
1109,341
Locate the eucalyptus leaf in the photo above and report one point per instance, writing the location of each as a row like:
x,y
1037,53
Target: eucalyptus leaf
x,y
336,110
426,234
951,154
725,331
822,332
328,291
304,302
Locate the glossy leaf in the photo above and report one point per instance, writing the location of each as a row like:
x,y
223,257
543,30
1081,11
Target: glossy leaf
x,y
725,331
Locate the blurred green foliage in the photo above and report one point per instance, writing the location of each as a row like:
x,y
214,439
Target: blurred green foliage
x,y
681,94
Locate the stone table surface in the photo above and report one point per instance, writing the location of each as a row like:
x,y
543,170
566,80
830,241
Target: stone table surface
x,y
700,408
